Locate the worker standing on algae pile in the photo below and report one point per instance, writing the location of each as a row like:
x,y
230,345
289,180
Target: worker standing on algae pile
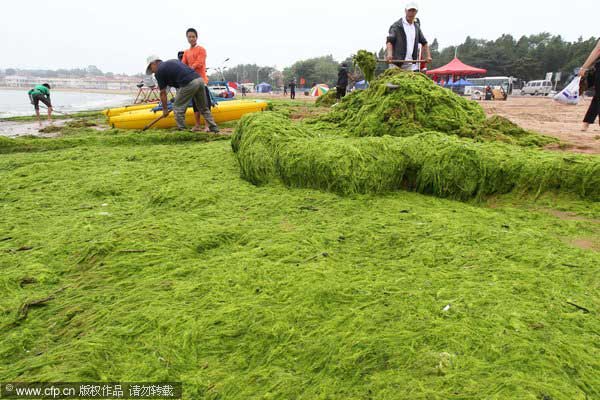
x,y
404,38
342,82
176,74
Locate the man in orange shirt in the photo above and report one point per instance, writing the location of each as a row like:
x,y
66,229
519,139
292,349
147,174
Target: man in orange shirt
x,y
195,58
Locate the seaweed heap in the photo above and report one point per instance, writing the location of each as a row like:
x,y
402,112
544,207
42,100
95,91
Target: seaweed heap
x,y
399,103
410,136
328,99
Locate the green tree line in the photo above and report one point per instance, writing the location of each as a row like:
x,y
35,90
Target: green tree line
x,y
243,73
91,70
528,58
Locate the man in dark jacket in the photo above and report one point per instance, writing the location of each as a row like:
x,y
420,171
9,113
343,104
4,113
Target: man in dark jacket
x,y
342,82
404,38
174,73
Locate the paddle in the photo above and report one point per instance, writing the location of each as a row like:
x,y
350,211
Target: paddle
x,y
151,124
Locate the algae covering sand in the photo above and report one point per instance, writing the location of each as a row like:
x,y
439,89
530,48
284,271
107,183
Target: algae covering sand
x,y
406,133
164,265
401,103
328,99
270,146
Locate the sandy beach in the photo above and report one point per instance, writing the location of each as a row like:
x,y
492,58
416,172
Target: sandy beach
x,y
15,129
543,115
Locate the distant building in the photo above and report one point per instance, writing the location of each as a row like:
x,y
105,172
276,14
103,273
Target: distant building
x,y
118,82
16,81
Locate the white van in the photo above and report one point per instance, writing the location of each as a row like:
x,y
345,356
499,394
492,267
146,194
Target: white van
x,y
536,88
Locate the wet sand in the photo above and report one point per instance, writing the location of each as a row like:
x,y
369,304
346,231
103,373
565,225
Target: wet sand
x,y
14,129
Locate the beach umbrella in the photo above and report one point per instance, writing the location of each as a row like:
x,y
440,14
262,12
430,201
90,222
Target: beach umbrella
x,y
319,90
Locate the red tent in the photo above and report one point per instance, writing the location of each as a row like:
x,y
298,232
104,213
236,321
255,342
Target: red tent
x,y
457,67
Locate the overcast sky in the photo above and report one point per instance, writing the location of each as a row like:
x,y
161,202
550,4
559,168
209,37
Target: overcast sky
x,y
117,35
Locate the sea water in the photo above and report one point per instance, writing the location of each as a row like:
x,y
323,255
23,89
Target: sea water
x,y
16,102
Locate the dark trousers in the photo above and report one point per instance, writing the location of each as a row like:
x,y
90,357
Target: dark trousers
x,y
208,101
36,98
593,111
293,94
340,92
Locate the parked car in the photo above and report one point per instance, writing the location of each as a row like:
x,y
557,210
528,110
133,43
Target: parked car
x,y
536,88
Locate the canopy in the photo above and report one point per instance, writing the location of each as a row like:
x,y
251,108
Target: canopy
x,y
319,90
263,88
457,67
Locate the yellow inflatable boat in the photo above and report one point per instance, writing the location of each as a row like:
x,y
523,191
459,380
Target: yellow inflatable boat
x,y
113,112
225,111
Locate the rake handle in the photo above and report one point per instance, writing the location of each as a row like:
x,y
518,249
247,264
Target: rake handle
x,y
55,111
151,124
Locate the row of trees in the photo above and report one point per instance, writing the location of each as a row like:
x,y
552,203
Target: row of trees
x,y
244,73
528,58
314,70
91,70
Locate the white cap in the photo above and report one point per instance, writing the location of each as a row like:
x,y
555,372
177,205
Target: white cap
x,y
412,5
149,61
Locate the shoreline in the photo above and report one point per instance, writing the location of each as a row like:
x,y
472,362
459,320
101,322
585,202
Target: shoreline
x,y
71,90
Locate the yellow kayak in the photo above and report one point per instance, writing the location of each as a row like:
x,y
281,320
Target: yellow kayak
x,y
225,111
113,112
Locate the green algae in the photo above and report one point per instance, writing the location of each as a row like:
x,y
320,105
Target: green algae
x,y
406,133
342,166
72,138
461,169
328,99
257,147
173,268
367,62
50,129
270,146
78,115
401,103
